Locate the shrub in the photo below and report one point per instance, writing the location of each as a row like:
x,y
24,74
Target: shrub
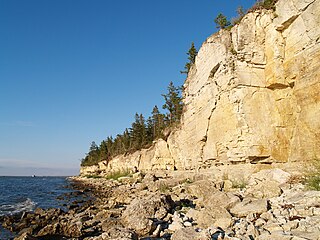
x,y
118,174
163,187
313,175
222,21
186,181
232,50
264,4
239,183
241,13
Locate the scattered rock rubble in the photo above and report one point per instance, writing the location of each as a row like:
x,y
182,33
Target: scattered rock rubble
x,y
161,206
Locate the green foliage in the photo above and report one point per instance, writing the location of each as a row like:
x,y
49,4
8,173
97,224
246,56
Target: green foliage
x,y
140,135
118,174
232,50
240,14
155,124
92,157
142,132
240,11
163,187
187,181
313,176
239,183
221,21
313,182
173,103
264,4
192,53
138,132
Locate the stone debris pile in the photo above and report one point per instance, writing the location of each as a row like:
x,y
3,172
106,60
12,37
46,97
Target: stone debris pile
x,y
162,205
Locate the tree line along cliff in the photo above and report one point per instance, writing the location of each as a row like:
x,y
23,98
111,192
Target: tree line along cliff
x,y
251,96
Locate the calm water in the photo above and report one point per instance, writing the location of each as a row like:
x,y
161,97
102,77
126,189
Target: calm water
x,y
18,194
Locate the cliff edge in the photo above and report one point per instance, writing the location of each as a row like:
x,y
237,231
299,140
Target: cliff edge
x,y
252,96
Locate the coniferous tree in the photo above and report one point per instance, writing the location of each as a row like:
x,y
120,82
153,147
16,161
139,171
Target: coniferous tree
x,y
138,132
94,153
126,140
92,156
93,146
192,53
240,11
221,21
103,153
150,130
118,144
109,143
158,122
143,131
173,103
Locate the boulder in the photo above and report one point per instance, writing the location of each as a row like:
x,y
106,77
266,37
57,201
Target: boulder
x,y
277,176
202,189
264,189
119,233
249,206
190,233
142,214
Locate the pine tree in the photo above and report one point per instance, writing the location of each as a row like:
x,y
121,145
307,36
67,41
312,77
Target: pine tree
x,y
110,146
173,103
118,144
138,132
93,146
143,131
150,130
103,153
240,11
192,53
221,21
92,156
158,122
126,140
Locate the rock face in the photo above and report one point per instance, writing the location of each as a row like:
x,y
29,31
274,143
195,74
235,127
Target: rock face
x,y
251,96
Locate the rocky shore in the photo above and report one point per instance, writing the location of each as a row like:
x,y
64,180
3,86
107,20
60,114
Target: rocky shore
x,y
268,204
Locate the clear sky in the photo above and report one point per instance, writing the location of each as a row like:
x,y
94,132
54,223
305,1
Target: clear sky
x,y
76,71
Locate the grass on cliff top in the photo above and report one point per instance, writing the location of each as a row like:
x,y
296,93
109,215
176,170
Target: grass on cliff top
x,y
313,175
264,4
118,174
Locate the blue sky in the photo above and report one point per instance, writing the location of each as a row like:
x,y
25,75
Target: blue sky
x,y
74,71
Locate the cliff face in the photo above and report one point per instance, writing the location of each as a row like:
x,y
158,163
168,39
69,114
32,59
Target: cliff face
x,y
252,96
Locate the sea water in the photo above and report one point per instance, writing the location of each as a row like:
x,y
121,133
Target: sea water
x,y
24,194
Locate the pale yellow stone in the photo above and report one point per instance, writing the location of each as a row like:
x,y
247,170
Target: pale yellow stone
x,y
252,96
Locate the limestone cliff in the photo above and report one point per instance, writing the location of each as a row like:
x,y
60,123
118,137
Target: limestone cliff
x,y
253,95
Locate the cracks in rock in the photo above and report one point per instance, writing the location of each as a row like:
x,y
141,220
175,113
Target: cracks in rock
x,y
274,86
247,85
295,128
287,23
214,70
258,159
205,137
277,86
305,8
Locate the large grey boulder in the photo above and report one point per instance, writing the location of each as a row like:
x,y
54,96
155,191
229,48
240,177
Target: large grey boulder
x,y
143,214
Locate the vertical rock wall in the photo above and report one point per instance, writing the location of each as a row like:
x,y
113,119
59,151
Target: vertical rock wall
x,y
252,96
